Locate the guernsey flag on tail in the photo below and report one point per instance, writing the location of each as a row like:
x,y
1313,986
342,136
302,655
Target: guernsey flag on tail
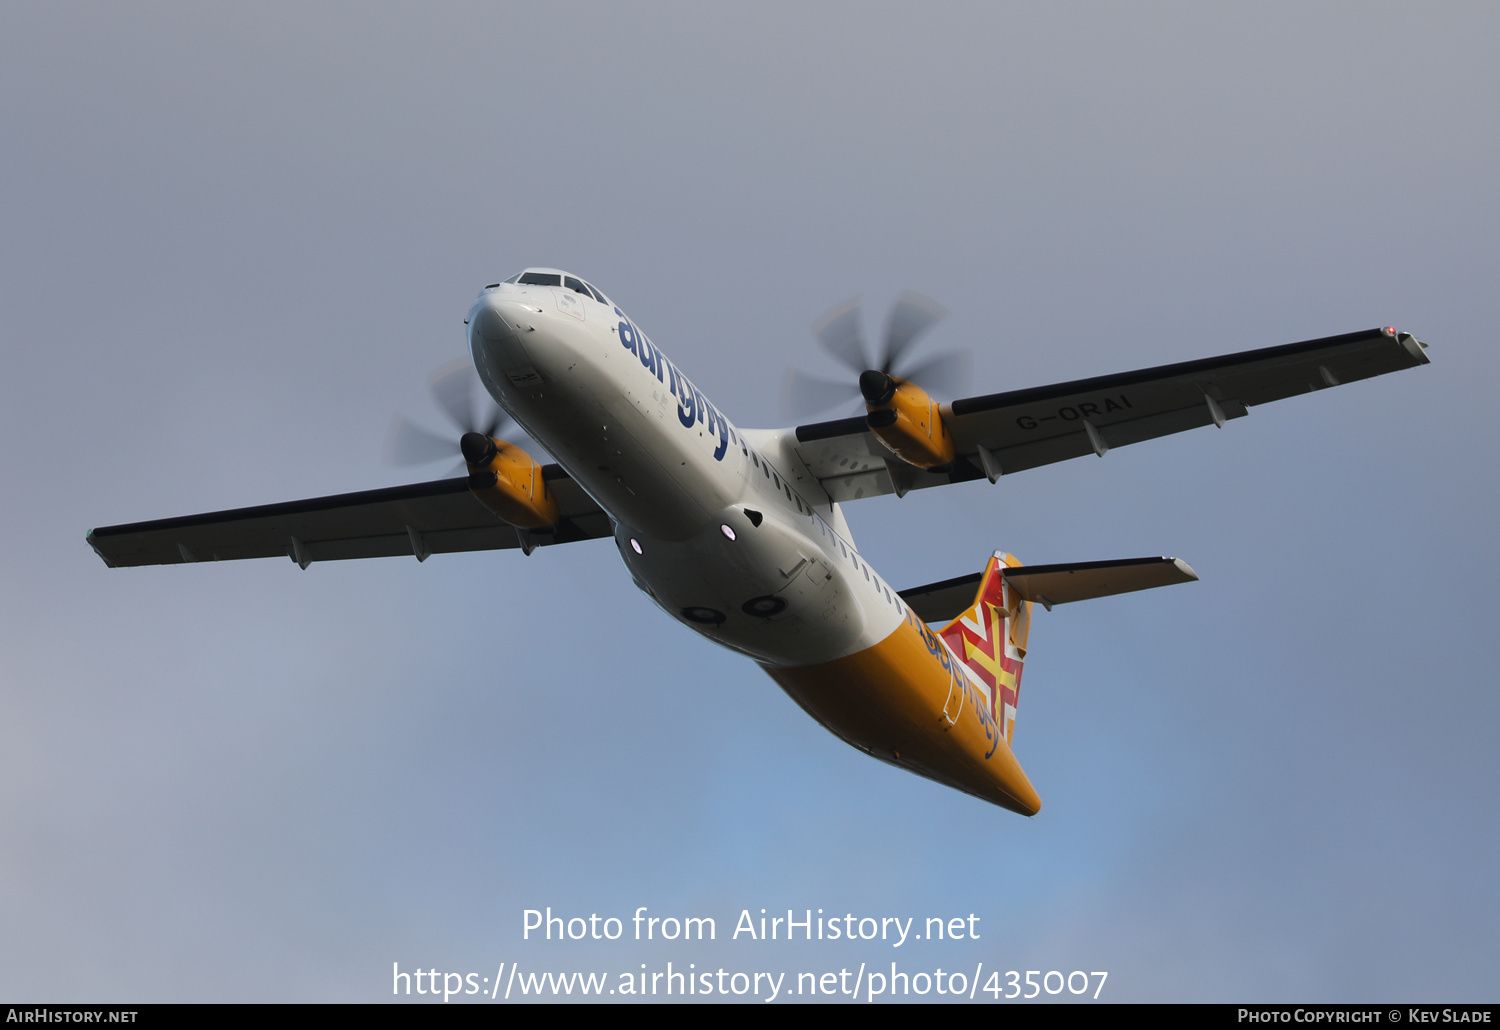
x,y
990,640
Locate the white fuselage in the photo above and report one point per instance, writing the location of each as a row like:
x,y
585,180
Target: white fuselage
x,y
683,485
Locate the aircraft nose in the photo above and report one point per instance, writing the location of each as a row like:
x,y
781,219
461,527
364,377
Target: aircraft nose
x,y
498,333
496,321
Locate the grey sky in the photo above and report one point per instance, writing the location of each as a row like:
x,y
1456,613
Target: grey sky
x,y
235,240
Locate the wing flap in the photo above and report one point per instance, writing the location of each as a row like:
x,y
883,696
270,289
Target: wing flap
x,y
436,517
1077,442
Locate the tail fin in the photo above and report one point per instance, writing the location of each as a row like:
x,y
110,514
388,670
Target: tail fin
x,y
990,640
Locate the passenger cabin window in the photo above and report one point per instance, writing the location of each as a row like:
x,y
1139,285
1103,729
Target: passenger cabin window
x,y
540,279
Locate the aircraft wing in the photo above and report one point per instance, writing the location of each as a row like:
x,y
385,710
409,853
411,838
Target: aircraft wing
x,y
1002,433
421,519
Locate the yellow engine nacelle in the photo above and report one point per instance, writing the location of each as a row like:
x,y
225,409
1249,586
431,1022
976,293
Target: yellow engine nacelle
x,y
906,420
509,483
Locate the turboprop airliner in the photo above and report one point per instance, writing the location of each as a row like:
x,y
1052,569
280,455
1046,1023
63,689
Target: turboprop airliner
x,y
740,534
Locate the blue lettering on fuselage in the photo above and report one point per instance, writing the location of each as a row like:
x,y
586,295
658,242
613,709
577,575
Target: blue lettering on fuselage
x,y
692,408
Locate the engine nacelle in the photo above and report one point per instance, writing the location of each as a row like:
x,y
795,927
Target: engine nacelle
x,y
509,483
906,420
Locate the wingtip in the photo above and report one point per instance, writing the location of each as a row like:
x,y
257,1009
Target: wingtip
x,y
88,538
1185,568
1415,347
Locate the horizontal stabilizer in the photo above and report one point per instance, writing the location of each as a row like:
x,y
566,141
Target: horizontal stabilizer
x,y
1058,584
1050,584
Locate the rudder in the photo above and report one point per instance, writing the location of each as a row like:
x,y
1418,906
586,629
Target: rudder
x,y
990,640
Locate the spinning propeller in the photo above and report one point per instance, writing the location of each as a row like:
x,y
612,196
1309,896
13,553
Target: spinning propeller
x,y
453,387
839,333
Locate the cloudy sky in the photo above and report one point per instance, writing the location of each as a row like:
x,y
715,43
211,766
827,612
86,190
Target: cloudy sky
x,y
235,240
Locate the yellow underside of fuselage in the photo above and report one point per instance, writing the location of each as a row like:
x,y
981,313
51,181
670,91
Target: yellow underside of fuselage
x,y
905,701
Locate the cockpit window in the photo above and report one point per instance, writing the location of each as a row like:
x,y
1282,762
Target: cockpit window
x,y
513,278
576,285
540,279
597,295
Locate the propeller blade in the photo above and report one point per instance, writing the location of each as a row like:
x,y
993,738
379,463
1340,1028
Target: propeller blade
x,y
498,418
807,395
944,375
838,332
911,316
453,389
410,444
